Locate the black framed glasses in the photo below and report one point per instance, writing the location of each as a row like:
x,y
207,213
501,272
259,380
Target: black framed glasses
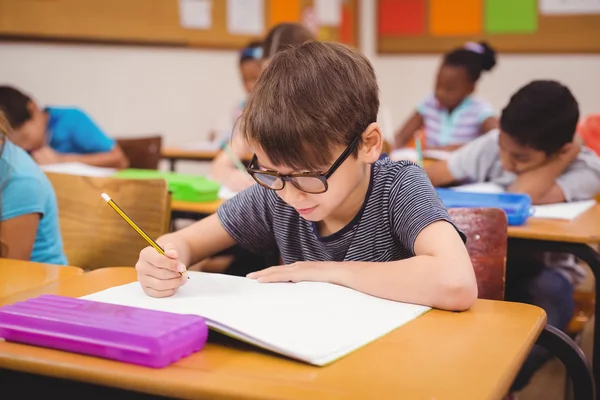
x,y
309,182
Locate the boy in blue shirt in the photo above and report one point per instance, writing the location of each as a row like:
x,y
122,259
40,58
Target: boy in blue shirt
x,y
533,152
57,135
324,200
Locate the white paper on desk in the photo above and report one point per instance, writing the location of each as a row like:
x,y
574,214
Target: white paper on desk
x,y
225,193
486,187
246,17
310,321
329,12
195,14
437,154
566,7
77,168
406,153
566,211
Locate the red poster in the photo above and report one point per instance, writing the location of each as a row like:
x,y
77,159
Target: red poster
x,y
401,17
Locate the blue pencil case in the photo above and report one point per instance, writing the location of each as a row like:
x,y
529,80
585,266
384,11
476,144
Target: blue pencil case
x,y
128,334
518,207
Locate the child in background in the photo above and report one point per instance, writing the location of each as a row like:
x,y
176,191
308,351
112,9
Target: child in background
x,y
534,152
58,135
29,227
335,212
250,64
237,260
223,169
451,116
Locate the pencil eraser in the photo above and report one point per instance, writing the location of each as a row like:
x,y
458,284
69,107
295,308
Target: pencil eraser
x,y
105,197
127,334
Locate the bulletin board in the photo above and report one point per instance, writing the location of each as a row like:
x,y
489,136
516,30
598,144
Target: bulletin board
x,y
219,24
510,26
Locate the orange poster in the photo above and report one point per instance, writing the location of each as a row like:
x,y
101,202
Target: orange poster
x,y
284,11
455,18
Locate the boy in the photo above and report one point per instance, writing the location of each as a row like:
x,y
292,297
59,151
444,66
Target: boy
x,y
534,152
335,213
57,135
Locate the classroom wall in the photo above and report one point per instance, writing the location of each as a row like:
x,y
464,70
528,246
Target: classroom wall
x,y
184,93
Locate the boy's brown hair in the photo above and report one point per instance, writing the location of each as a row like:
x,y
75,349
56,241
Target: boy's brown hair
x,y
309,100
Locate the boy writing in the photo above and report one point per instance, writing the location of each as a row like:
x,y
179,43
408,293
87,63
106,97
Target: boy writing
x,y
57,135
335,213
533,152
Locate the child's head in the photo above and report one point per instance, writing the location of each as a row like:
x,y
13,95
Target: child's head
x,y
27,120
314,111
251,64
283,36
460,71
538,124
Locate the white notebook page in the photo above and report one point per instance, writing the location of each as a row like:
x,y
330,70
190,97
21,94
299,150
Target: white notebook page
x,y
310,321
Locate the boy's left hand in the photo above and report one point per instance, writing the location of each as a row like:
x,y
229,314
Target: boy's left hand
x,y
314,271
46,155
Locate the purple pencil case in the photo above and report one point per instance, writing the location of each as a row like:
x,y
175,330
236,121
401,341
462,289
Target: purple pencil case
x,y
128,334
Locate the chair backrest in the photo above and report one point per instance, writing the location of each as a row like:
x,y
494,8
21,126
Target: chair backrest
x,y
486,231
93,234
143,152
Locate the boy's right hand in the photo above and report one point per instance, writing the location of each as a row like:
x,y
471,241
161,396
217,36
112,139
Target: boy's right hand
x,y
160,275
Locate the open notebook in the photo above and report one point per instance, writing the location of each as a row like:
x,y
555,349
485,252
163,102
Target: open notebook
x,y
77,168
309,321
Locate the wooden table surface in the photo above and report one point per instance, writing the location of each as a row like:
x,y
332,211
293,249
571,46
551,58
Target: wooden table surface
x,y
184,154
207,208
16,275
441,355
583,229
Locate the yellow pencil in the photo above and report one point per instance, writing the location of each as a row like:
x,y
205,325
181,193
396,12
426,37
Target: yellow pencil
x,y
139,230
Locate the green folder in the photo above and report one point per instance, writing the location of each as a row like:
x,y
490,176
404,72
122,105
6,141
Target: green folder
x,y
183,187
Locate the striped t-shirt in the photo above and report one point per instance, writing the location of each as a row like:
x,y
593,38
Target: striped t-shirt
x,y
400,202
459,127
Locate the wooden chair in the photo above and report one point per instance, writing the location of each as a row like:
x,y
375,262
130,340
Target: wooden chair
x,y
93,234
486,231
142,152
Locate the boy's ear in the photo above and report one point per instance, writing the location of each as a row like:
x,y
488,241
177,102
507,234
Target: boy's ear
x,y
372,142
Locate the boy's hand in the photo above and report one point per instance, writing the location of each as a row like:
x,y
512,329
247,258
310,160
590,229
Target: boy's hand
x,y
46,155
571,152
314,271
160,275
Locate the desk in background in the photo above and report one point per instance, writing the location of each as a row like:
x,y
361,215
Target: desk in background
x,y
470,355
572,237
17,276
174,154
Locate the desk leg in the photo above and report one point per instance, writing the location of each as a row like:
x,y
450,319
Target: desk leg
x,y
592,258
172,162
563,347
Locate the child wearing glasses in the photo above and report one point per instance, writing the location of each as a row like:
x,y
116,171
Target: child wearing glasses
x,y
335,212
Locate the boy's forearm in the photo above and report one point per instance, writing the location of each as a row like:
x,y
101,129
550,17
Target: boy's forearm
x,y
538,182
419,280
199,241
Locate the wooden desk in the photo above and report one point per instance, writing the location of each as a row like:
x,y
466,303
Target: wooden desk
x,y
174,154
185,209
17,276
572,237
444,355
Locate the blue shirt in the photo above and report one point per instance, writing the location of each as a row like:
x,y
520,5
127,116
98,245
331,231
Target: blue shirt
x,y
72,131
25,189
